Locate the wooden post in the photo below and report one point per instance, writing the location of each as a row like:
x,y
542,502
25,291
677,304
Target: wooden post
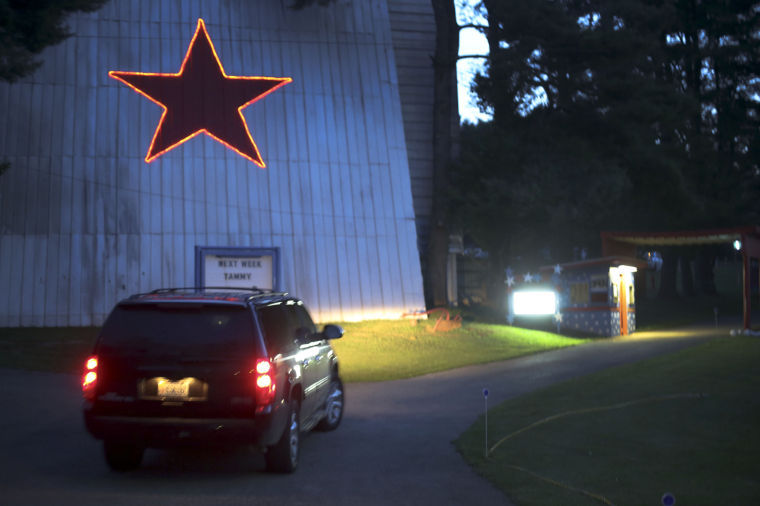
x,y
746,287
623,301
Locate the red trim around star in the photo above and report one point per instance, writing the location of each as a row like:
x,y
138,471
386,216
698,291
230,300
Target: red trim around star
x,y
201,98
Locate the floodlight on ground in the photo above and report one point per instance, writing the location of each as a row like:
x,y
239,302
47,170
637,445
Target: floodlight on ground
x,y
534,302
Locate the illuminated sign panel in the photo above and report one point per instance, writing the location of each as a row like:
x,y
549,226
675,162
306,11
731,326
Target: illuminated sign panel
x,y
237,267
239,272
533,302
201,98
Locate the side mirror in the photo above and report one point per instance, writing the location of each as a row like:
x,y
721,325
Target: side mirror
x,y
332,331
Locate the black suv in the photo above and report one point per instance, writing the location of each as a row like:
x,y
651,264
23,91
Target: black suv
x,y
199,365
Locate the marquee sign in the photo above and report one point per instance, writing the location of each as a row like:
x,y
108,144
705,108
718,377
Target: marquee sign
x,y
201,98
237,267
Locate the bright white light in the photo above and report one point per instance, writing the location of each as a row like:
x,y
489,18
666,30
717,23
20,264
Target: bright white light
x,y
534,303
622,270
737,245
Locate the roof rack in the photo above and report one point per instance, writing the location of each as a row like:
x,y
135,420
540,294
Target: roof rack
x,y
254,289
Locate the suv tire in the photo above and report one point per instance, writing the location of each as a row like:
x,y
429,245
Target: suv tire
x,y
122,456
333,406
282,457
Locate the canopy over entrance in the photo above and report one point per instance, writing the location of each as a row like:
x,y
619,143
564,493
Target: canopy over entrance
x,y
625,243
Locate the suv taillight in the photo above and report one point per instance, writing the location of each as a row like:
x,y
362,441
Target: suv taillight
x,y
264,381
90,378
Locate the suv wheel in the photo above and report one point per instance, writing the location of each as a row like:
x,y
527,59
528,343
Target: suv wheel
x,y
282,457
122,456
333,406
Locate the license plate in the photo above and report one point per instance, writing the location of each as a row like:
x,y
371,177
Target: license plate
x,y
174,389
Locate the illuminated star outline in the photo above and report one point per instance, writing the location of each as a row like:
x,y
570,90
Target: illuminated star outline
x,y
268,85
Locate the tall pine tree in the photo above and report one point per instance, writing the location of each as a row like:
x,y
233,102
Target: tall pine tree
x,y
575,82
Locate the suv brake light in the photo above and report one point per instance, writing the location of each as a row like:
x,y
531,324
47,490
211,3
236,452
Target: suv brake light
x,y
264,380
90,378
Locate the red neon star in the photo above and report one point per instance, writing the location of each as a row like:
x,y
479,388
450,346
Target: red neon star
x,y
201,98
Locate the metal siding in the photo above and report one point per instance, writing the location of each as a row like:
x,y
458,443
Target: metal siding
x,y
5,94
44,98
75,287
144,259
6,267
389,256
7,201
157,276
54,204
413,32
63,282
15,287
121,275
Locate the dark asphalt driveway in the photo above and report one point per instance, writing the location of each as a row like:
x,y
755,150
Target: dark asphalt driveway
x,y
394,446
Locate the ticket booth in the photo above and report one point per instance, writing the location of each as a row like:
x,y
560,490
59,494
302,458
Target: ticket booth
x,y
597,296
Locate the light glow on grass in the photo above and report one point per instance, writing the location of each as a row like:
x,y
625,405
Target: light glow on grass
x,y
382,350
683,423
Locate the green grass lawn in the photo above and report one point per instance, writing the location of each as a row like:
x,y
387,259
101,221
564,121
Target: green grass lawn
x,y
393,349
702,449
653,314
369,351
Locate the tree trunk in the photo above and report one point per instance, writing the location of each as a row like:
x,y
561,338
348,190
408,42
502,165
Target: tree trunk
x,y
668,273
687,275
496,289
445,140
706,270
641,281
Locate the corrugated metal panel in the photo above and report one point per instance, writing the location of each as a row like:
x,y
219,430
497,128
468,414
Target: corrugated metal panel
x,y
85,221
413,32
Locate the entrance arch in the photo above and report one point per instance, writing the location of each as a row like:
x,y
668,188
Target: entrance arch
x,y
625,243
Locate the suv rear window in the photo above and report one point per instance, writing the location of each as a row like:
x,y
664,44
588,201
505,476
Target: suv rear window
x,y
197,329
279,324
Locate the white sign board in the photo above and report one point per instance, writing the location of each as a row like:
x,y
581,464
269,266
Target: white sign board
x,y
238,272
